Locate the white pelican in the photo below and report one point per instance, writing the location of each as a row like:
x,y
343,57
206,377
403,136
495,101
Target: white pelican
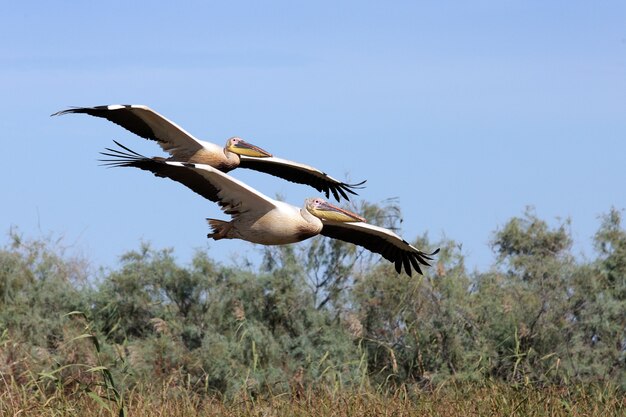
x,y
183,147
259,219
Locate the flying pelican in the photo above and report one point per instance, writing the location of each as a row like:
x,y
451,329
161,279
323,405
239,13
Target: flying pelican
x,y
259,219
183,147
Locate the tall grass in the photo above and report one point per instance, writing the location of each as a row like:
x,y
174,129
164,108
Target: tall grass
x,y
90,389
492,399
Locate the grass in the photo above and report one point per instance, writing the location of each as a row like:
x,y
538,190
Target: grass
x,y
90,389
492,399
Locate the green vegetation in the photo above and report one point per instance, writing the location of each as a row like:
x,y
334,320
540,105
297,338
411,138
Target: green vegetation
x,y
320,329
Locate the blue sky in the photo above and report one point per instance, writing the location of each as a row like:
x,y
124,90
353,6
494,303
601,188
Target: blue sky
x,y
467,112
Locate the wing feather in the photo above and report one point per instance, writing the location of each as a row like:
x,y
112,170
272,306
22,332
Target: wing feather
x,y
415,264
146,123
399,265
382,241
232,195
301,174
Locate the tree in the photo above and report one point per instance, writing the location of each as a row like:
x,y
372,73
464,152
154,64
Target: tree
x,y
598,308
528,326
416,329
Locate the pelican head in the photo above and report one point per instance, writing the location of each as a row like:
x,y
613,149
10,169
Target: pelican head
x,y
322,209
241,147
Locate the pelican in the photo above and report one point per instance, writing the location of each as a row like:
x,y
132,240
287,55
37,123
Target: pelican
x,y
259,219
183,147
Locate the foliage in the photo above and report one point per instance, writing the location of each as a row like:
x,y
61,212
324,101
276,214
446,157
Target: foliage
x,y
321,314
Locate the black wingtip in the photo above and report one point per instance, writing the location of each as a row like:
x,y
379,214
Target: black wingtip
x,y
71,109
358,185
398,265
121,158
407,263
415,260
351,187
61,112
415,263
127,149
341,190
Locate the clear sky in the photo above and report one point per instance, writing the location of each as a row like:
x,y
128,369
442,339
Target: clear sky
x,y
467,112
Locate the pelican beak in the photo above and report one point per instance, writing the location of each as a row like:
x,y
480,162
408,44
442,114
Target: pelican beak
x,y
326,211
241,147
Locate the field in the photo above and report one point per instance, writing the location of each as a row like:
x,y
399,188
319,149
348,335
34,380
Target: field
x,y
489,400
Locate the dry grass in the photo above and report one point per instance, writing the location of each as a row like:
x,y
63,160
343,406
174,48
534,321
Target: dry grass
x,y
489,400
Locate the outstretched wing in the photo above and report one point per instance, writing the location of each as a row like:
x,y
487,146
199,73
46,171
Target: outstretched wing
x,y
301,174
380,240
232,195
145,122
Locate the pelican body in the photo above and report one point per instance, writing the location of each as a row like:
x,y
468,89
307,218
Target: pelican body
x,y
183,147
260,219
281,225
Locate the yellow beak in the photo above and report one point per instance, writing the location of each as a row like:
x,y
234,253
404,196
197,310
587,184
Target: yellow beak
x,y
248,149
326,211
